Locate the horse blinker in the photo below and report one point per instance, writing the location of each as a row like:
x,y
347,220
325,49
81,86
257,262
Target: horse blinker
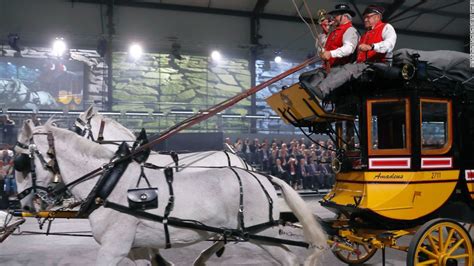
x,y
22,162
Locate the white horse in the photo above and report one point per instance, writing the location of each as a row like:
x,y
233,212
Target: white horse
x,y
17,93
89,123
208,196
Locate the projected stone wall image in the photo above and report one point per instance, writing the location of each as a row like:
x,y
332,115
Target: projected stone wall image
x,y
161,83
265,70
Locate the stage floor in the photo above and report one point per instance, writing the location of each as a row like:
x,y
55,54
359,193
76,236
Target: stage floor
x,y
27,249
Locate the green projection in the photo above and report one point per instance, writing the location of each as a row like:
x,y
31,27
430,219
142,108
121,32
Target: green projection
x,y
162,83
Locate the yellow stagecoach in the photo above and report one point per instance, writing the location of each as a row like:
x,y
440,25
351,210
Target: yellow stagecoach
x,y
405,158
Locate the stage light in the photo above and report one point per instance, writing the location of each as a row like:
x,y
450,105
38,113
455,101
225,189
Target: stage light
x,y
278,59
59,47
102,47
135,51
216,55
175,51
13,41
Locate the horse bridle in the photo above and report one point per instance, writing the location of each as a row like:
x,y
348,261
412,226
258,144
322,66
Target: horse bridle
x,y
87,131
25,162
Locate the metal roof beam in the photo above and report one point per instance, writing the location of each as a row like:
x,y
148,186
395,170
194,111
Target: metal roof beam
x,y
388,18
393,7
425,10
356,9
173,7
260,6
217,11
420,13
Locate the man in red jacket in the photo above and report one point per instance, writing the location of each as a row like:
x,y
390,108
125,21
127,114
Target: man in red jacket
x,y
377,43
339,48
342,41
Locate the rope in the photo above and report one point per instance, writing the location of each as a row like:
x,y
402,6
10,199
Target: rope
x,y
308,11
316,39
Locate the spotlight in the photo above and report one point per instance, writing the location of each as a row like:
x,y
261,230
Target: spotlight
x,y
102,47
216,55
266,65
277,59
59,47
175,51
13,41
135,51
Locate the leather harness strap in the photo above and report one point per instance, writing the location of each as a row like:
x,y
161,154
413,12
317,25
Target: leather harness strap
x,y
190,224
21,145
270,200
228,158
100,137
175,158
240,215
142,175
170,205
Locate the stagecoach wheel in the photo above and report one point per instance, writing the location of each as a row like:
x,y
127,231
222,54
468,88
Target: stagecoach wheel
x,y
362,253
440,242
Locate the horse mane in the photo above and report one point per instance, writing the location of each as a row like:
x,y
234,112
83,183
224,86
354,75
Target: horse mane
x,y
83,145
118,126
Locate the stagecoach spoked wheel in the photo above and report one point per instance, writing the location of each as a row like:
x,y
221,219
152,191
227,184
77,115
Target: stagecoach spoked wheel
x,y
440,242
361,253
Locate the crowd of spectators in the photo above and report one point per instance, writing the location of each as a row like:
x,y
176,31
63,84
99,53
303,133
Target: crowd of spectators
x,y
301,164
7,177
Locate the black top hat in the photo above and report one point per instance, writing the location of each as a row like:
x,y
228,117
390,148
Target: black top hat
x,y
373,9
341,9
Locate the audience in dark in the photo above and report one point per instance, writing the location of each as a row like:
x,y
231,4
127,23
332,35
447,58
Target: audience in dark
x,y
301,164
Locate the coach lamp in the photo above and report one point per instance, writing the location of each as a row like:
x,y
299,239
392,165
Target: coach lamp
x,y
408,71
336,165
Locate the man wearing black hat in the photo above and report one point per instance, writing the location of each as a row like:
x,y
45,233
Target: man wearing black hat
x,y
339,49
377,43
342,41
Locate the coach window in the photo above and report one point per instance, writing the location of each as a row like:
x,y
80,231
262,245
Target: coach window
x,y
388,127
436,126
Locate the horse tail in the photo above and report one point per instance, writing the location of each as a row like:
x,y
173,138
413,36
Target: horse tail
x,y
313,231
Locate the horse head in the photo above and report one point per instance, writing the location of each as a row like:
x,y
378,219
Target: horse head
x,y
89,124
13,86
36,169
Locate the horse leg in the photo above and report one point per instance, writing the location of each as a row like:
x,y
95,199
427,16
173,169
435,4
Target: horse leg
x,y
206,254
159,260
279,252
151,256
116,244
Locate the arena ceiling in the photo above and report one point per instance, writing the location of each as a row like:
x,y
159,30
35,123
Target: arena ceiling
x,y
429,18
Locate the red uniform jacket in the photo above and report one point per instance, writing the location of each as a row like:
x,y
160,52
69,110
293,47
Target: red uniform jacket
x,y
370,37
334,41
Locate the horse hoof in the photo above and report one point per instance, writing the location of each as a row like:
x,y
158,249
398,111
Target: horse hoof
x,y
220,252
